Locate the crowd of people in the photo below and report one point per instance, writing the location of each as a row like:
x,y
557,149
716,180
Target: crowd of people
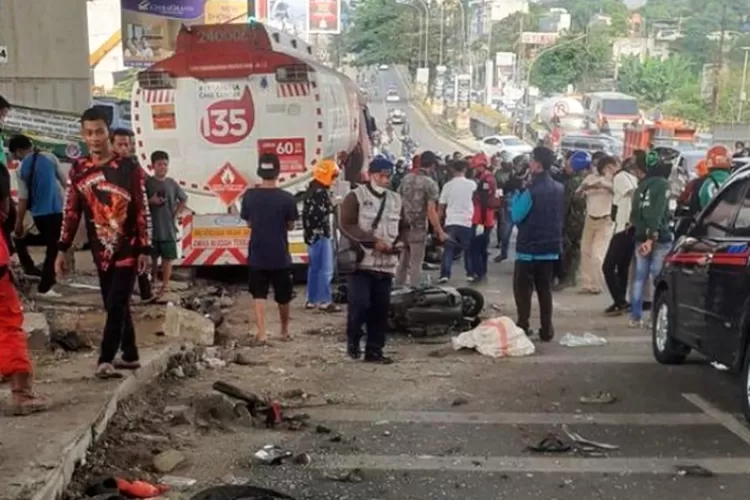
x,y
582,215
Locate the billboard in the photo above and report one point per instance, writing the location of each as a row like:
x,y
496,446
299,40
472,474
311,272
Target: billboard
x,y
150,27
537,38
324,17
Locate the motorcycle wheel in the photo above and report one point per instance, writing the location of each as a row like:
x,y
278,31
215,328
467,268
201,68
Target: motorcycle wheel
x,y
239,492
473,302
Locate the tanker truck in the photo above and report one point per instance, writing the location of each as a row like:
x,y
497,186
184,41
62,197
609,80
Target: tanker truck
x,y
229,94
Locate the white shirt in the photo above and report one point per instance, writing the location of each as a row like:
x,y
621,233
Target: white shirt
x,y
624,186
457,196
598,200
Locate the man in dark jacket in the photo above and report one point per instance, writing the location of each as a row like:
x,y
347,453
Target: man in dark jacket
x,y
537,210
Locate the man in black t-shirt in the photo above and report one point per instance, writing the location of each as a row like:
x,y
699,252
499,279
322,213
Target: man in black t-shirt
x,y
270,212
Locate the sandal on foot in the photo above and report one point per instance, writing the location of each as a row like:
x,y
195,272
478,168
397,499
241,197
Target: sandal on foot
x,y
288,338
106,371
258,343
121,364
26,403
550,444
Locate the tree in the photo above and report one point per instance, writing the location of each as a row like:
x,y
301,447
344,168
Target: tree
x,y
380,34
653,80
582,13
575,60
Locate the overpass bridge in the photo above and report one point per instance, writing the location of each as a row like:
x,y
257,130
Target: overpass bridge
x,y
47,64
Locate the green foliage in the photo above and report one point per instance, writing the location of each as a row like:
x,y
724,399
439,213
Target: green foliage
x,y
653,81
580,62
380,33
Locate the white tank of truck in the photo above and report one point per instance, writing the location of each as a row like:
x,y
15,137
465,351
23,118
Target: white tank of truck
x,y
230,93
568,109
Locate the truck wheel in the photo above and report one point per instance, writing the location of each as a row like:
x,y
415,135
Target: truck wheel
x,y
746,385
667,350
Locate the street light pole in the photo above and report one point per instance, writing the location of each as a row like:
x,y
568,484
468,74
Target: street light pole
x,y
426,33
743,92
464,28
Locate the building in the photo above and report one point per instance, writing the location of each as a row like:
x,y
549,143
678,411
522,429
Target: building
x,y
556,20
482,13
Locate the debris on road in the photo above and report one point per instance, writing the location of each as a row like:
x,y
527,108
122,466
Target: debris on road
x,y
497,338
168,460
598,398
460,402
189,326
580,440
246,492
693,470
178,483
550,444
271,455
719,366
588,339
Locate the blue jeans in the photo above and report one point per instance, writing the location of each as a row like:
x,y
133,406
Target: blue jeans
x,y
647,267
504,231
477,256
461,236
320,271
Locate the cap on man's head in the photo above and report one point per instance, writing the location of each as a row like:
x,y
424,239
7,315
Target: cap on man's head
x,y
544,155
380,165
479,160
428,159
269,167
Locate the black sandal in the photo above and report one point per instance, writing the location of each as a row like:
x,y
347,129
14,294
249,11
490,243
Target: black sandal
x,y
550,444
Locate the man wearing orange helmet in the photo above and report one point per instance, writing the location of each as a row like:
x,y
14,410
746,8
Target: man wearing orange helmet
x,y
688,204
719,163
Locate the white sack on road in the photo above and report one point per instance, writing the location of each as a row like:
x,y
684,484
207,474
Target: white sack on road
x,y
497,337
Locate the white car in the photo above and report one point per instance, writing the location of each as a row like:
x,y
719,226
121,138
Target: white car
x,y
497,143
392,96
383,67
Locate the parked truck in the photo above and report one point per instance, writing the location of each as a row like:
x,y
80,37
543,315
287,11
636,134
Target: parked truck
x,y
230,93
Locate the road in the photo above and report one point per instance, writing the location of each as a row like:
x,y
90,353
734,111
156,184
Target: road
x,y
421,130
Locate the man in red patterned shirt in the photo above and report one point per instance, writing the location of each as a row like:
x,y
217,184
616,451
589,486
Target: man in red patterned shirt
x,y
109,190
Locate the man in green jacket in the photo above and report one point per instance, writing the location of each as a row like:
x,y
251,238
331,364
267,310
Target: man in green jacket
x,y
719,163
650,219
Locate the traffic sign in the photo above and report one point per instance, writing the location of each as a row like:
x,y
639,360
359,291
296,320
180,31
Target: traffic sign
x,y
561,108
228,184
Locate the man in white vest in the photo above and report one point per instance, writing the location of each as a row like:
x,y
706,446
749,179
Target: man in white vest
x,y
371,218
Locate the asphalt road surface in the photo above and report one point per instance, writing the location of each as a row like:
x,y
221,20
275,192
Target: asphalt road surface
x,y
421,131
458,427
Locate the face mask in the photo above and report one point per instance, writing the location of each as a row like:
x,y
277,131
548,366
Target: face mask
x,y
376,188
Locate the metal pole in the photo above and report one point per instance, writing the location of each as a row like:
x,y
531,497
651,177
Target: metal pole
x,y
464,48
426,33
743,93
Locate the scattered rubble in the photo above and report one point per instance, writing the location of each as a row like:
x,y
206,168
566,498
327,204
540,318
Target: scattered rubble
x,y
168,460
189,326
37,331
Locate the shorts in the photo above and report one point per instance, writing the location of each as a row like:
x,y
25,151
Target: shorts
x,y
280,279
167,250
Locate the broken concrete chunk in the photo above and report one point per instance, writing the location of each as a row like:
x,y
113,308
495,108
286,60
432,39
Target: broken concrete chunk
x,y
37,331
169,460
188,325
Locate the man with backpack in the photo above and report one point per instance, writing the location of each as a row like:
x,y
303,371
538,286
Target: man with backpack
x,y
40,191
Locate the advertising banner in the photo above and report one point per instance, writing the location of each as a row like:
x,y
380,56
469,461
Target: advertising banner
x,y
463,91
150,27
324,17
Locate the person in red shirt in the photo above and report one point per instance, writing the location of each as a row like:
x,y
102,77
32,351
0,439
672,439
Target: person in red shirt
x,y
109,190
14,354
486,203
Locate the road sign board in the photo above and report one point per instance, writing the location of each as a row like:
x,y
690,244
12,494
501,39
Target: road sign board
x,y
228,184
561,108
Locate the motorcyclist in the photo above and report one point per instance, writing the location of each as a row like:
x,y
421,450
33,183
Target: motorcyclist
x,y
719,164
401,168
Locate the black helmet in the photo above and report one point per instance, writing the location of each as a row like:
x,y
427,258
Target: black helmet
x,y
521,161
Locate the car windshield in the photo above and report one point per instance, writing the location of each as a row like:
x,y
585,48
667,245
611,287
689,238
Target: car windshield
x,y
392,92
512,141
620,107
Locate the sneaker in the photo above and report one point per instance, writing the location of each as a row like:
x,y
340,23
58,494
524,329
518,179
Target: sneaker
x,y
636,323
616,310
443,280
50,294
546,335
470,279
499,258
379,359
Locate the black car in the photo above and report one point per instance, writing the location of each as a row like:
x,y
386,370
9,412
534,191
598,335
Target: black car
x,y
702,297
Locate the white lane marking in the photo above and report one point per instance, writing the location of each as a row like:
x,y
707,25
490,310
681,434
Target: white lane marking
x,y
723,418
635,465
510,418
590,358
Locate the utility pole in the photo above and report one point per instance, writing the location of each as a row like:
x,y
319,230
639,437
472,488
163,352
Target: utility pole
x,y
519,58
720,61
